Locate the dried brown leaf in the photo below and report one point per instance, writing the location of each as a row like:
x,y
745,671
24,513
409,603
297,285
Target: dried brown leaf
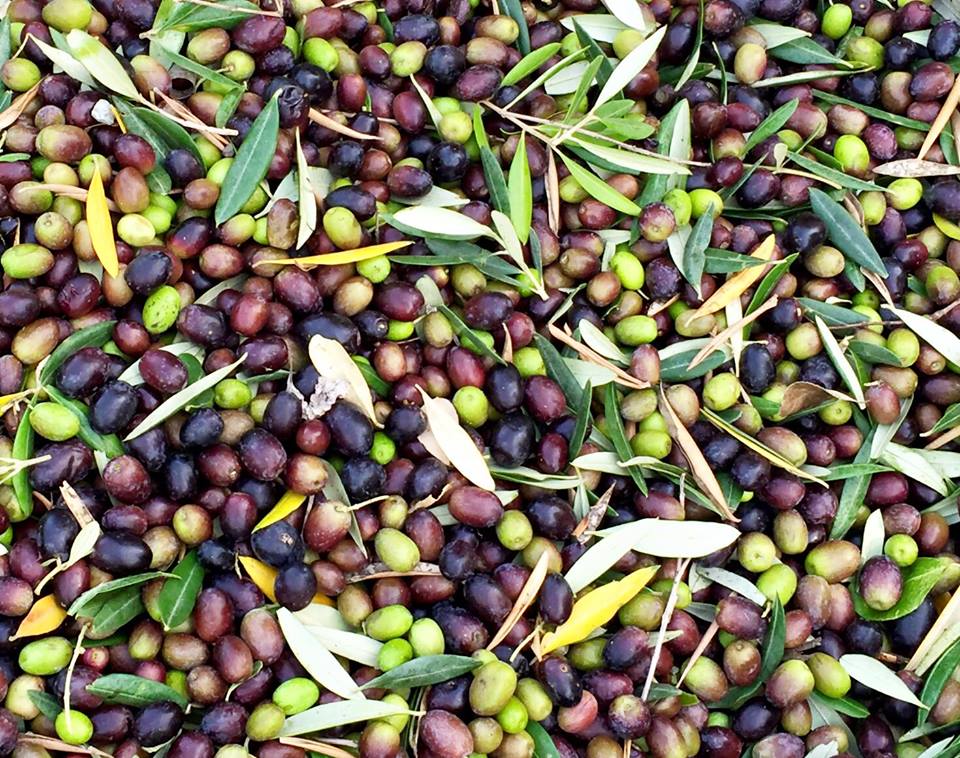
x,y
705,640
943,439
740,282
591,521
698,463
941,634
802,395
58,746
335,366
76,193
335,126
17,107
524,600
730,331
949,106
76,506
383,571
622,377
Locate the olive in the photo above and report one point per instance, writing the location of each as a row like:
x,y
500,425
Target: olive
x,y
157,723
277,544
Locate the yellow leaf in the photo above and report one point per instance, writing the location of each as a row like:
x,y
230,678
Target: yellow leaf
x,y
345,256
264,576
946,226
119,118
596,608
45,616
101,226
285,506
740,282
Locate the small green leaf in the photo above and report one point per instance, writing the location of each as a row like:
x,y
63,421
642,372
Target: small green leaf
x,y
617,435
520,191
101,63
250,163
804,51
656,186
177,402
605,67
833,315
583,421
179,593
48,705
90,336
420,672
371,377
918,580
530,63
773,647
496,184
170,132
119,609
190,17
694,253
937,678
135,691
834,175
98,593
558,370
515,11
846,233
108,444
599,189
771,124
875,354
543,744
22,451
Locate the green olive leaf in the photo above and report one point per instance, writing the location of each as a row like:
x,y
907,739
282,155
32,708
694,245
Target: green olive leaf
x,y
875,354
191,17
90,336
617,435
109,444
46,703
97,595
771,124
250,164
543,744
330,715
520,191
496,184
918,580
584,417
937,679
513,9
180,400
179,594
102,64
23,451
845,233
135,691
530,63
599,189
875,675
420,672
773,647
119,609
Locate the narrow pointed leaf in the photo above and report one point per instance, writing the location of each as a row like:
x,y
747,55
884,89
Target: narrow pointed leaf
x,y
179,593
100,226
102,64
845,233
420,672
135,691
630,66
599,189
875,675
520,191
250,164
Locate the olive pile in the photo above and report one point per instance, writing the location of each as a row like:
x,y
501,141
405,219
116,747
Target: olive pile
x,y
344,346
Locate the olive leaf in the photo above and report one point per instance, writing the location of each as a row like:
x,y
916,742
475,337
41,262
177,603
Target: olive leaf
x,y
543,744
515,11
355,647
912,463
335,367
739,584
436,222
773,647
584,417
100,225
98,593
286,505
840,362
530,63
315,658
873,537
630,66
597,341
250,164
46,703
101,63
873,674
599,189
918,579
109,444
178,595
340,713
135,691
420,672
63,59
617,435
656,537
938,337
455,443
205,73
118,609
190,17
771,124
845,233
520,191
176,402
693,257
938,677
91,336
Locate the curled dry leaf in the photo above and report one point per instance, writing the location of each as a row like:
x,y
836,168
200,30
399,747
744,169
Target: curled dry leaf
x,y
802,395
335,126
526,597
58,746
350,645
456,444
740,282
621,376
18,106
949,106
702,472
382,571
593,518
337,369
315,658
731,331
